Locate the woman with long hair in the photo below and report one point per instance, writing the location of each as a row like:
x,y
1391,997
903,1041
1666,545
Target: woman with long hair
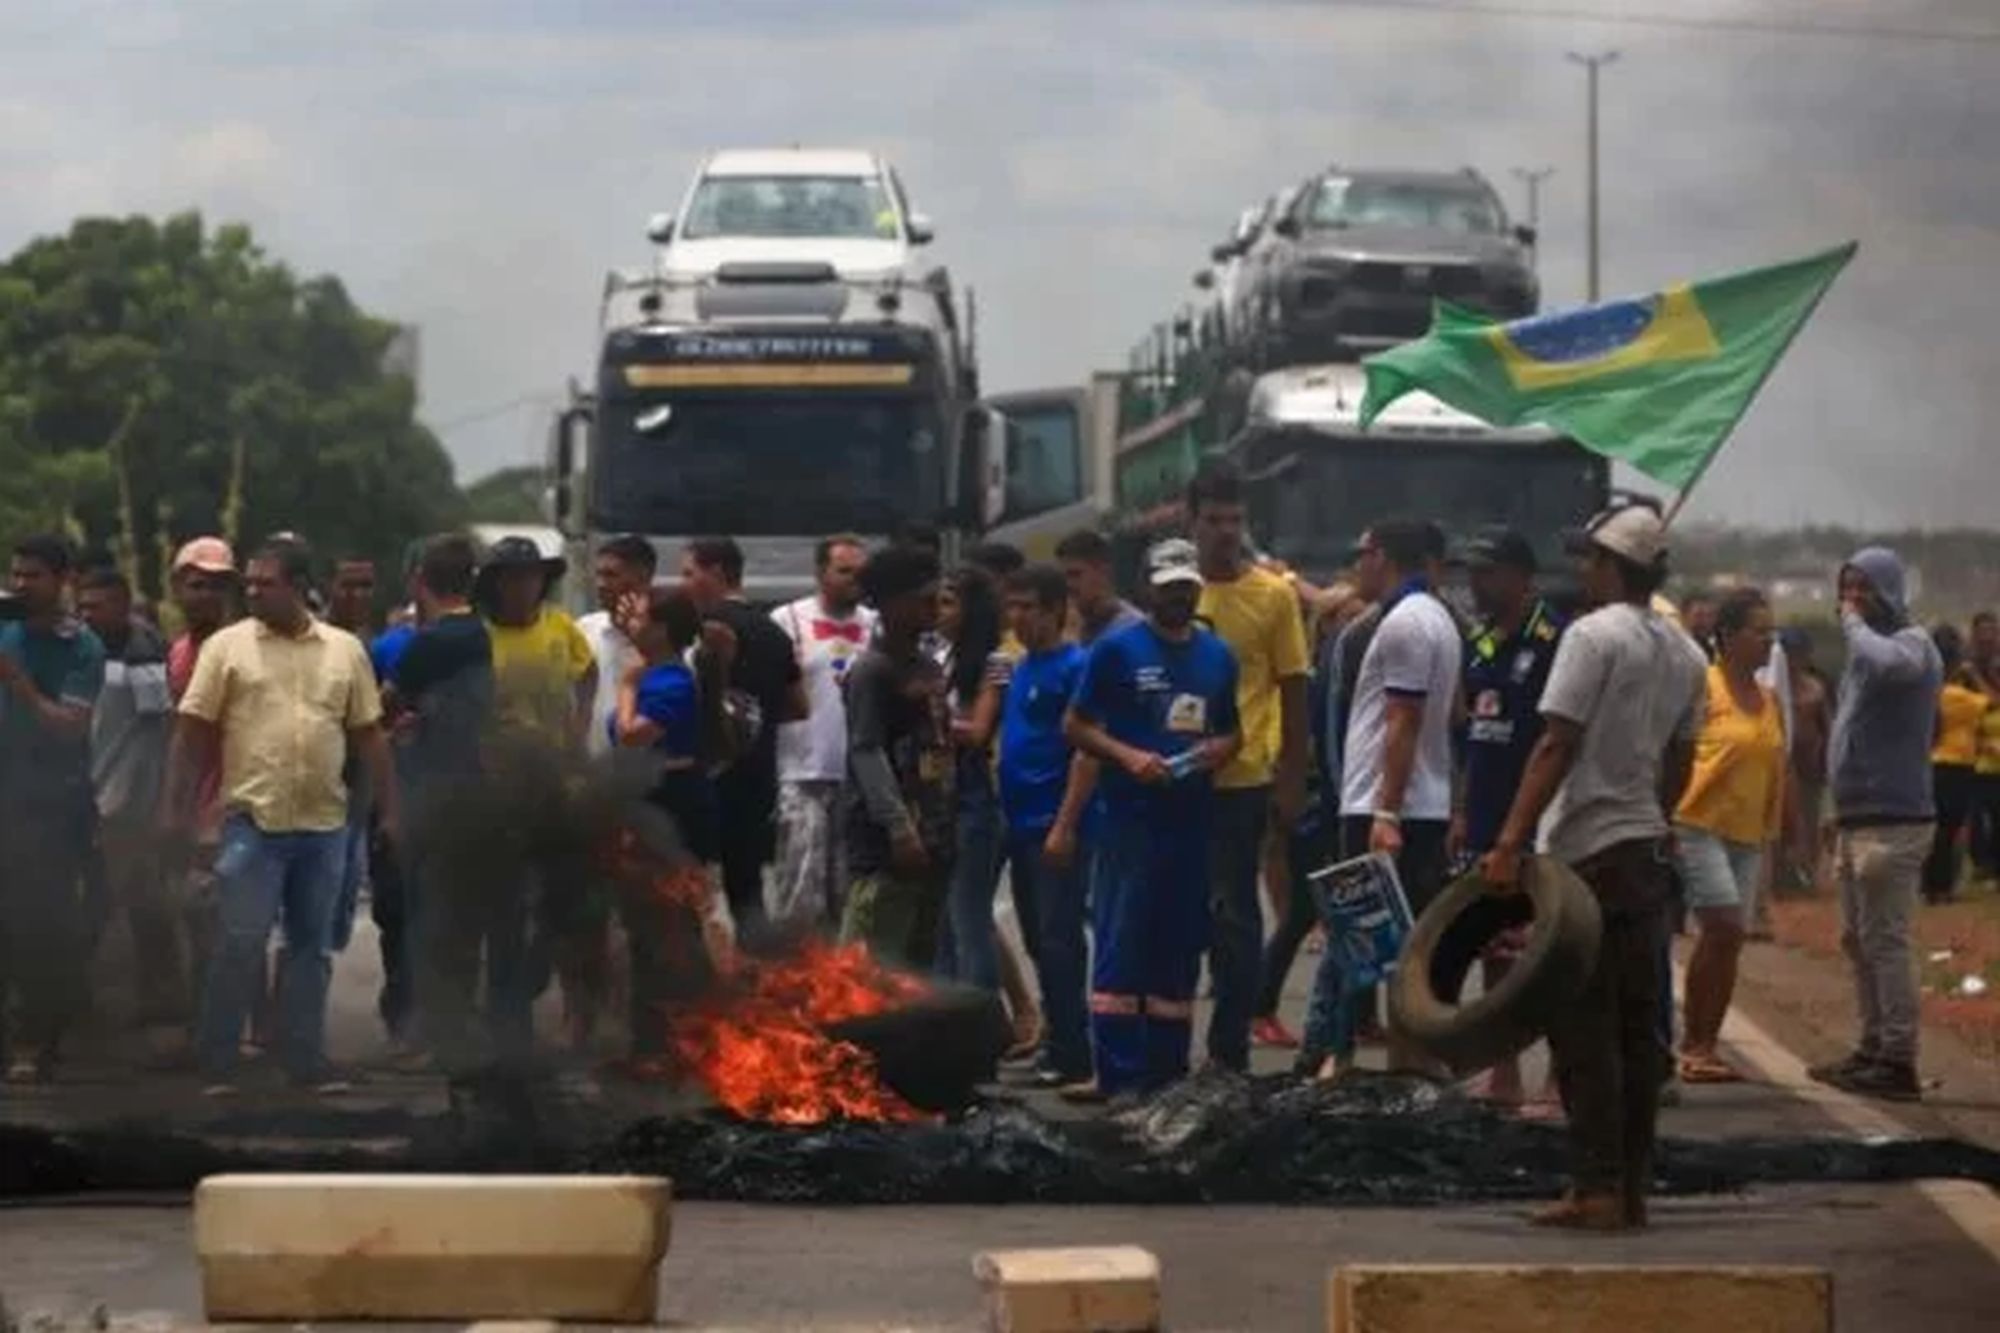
x,y
1728,816
970,631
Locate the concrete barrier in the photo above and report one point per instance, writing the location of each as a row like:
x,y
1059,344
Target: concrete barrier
x,y
1418,1298
1112,1289
301,1247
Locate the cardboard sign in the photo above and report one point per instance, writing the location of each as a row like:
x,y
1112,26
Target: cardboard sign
x,y
1367,917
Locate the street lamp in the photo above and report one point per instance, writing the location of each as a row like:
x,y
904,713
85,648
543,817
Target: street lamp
x,y
1532,177
1591,65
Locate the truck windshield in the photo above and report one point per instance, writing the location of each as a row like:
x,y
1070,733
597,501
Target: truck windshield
x,y
1339,202
765,465
846,207
1311,503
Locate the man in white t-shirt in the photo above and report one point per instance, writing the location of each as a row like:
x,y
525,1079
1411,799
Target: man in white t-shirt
x,y
624,568
828,630
1622,707
1396,780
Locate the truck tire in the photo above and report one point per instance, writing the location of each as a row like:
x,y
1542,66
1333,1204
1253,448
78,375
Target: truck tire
x,y
1566,930
936,1050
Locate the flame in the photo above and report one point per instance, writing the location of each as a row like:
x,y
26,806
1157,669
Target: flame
x,y
763,1051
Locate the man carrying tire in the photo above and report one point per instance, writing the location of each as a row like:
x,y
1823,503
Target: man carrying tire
x,y
1622,707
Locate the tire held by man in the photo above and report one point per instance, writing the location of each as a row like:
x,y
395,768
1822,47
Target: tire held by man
x,y
1564,931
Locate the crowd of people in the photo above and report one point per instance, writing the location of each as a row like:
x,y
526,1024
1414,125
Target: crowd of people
x,y
870,759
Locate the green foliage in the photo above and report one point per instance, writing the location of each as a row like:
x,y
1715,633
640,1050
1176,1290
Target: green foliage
x,y
160,380
511,495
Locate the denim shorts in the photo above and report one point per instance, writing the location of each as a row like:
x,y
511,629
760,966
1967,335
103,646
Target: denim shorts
x,y
1716,872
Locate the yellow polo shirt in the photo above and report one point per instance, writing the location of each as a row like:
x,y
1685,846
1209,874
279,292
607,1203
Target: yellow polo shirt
x,y
285,705
1257,614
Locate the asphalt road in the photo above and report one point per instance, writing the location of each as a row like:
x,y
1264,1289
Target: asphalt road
x,y
1901,1257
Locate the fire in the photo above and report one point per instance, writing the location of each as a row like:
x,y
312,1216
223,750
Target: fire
x,y
763,1052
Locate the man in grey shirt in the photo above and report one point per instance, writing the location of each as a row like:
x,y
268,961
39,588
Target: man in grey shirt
x,y
1622,707
129,728
1883,813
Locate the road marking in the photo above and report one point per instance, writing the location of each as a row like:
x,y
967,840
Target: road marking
x,y
1971,1206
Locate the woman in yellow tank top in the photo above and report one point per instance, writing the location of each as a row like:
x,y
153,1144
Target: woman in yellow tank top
x,y
1962,707
1728,816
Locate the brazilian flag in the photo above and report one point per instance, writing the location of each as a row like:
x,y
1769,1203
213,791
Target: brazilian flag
x,y
1655,381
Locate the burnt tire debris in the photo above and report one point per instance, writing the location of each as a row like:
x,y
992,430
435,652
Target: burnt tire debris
x,y
1368,1139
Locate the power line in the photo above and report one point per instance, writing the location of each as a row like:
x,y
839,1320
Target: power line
x,y
473,418
1765,27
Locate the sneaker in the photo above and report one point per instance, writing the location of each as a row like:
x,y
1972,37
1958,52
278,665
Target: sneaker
x,y
1272,1032
1890,1082
1838,1069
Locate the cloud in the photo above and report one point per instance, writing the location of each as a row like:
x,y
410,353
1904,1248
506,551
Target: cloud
x,y
475,165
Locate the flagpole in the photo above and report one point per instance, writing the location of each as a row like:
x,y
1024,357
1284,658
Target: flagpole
x,y
1674,509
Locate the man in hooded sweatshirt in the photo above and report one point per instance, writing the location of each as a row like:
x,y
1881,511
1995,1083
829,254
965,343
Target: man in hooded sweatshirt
x,y
1883,816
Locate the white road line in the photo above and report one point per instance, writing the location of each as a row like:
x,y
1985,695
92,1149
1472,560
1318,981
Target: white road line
x,y
1973,1207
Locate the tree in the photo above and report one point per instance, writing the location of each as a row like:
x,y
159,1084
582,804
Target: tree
x,y
159,380
511,495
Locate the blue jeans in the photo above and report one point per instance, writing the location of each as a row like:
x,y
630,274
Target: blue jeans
x,y
1235,960
1061,952
972,952
259,873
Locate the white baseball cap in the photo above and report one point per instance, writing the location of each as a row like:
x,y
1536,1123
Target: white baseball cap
x,y
1173,561
1633,532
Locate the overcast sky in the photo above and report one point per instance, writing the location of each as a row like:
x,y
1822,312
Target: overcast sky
x,y
473,167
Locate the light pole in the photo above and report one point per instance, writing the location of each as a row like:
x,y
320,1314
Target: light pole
x,y
1591,65
1532,177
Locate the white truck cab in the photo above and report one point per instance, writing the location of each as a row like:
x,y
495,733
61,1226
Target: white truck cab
x,y
840,207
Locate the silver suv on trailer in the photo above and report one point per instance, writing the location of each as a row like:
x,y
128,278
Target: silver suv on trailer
x,y
1355,261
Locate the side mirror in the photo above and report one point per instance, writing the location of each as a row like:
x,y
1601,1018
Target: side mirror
x,y
567,445
1205,280
1526,236
660,228
1286,226
920,229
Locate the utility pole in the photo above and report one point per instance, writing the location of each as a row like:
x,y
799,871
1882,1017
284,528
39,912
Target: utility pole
x,y
1532,177
1591,65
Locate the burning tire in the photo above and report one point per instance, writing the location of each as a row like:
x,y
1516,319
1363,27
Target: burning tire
x,y
1565,932
935,1050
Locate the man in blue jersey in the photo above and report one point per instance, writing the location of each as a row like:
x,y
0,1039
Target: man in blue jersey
x,y
1157,708
1044,796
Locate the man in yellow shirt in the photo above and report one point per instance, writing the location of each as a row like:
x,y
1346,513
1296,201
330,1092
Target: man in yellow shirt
x,y
1257,615
544,673
285,698
544,686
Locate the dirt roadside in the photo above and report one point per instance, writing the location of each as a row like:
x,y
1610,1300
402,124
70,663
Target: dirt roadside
x,y
1803,995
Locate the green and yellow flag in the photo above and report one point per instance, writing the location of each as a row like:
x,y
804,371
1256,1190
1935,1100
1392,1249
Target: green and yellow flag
x,y
1656,381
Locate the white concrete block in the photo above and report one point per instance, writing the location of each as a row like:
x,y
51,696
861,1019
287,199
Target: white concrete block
x,y
431,1247
1111,1289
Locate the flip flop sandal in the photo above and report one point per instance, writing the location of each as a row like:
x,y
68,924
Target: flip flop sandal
x,y
1707,1069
